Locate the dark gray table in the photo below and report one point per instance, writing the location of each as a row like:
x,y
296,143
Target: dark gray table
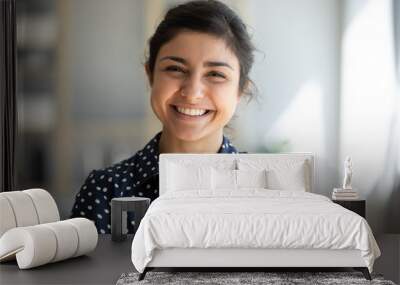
x,y
104,265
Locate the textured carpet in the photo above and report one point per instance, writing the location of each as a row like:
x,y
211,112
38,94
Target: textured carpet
x,y
229,278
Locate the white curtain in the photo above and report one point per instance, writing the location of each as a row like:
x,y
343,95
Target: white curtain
x,y
369,109
392,224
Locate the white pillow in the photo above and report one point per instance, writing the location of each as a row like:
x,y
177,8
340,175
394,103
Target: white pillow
x,y
251,178
223,179
282,174
288,178
182,177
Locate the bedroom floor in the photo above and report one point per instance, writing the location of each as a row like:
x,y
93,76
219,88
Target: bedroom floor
x,y
388,263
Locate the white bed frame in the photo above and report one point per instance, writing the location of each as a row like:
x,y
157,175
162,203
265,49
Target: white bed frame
x,y
244,258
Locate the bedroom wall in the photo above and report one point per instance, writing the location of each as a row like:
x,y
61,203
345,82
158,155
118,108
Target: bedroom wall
x,y
297,74
326,79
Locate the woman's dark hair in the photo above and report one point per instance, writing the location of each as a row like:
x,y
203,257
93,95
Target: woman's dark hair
x,y
211,17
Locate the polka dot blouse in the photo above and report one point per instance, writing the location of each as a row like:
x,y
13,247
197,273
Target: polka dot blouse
x,y
135,176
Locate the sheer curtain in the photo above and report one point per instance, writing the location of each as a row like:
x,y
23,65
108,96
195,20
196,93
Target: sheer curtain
x,y
393,153
369,108
7,94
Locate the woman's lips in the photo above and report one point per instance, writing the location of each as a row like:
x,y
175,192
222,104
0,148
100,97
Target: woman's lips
x,y
189,118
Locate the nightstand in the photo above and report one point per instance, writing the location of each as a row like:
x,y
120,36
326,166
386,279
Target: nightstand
x,y
357,206
119,208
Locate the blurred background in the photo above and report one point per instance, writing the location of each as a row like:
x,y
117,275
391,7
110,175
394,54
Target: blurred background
x,y
327,74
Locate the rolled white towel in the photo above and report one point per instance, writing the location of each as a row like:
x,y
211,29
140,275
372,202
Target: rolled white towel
x,y
46,207
26,208
40,244
23,208
7,218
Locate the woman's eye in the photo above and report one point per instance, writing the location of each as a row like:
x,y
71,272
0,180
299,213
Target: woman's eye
x,y
174,68
216,74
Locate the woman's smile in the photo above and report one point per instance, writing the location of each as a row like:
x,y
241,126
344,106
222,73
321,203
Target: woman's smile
x,y
190,114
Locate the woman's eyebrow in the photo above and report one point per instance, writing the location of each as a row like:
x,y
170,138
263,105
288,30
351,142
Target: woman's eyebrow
x,y
207,63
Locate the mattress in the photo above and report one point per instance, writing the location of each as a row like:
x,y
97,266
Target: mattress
x,y
250,218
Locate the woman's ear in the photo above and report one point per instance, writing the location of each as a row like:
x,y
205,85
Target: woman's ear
x,y
148,73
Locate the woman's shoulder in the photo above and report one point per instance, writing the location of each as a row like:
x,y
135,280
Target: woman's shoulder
x,y
133,170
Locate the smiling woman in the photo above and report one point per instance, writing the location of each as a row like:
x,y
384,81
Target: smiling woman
x,y
198,69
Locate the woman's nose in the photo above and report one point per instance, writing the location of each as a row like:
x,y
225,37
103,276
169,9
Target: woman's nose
x,y
192,89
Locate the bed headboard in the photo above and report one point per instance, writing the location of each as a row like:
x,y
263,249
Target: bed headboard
x,y
230,159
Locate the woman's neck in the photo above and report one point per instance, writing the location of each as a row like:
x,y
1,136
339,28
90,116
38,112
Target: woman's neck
x,y
171,144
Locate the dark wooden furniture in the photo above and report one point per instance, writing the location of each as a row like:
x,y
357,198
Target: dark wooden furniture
x,y
104,265
119,209
357,206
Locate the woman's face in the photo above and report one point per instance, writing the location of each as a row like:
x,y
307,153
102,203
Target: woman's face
x,y
195,87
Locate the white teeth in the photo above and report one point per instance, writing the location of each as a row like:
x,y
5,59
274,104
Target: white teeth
x,y
191,112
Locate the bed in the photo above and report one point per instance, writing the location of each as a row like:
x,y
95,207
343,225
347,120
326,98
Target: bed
x,y
246,211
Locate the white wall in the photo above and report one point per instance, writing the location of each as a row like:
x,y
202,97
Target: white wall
x,y
298,80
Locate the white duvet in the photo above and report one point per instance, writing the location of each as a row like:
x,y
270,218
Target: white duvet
x,y
251,218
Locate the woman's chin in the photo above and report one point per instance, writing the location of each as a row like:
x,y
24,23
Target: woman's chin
x,y
188,134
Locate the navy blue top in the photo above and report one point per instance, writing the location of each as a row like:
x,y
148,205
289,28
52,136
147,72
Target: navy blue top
x,y
135,176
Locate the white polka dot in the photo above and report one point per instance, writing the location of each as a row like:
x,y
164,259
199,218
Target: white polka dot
x,y
131,174
116,175
97,201
148,146
144,174
82,200
82,213
153,168
121,194
124,180
76,206
98,188
89,194
105,197
93,181
101,177
148,186
125,171
148,163
79,195
155,191
84,187
140,153
105,189
132,164
99,216
106,211
118,167
132,223
89,207
151,150
128,187
91,175
109,179
116,185
144,157
109,170
140,169
140,194
109,226
102,231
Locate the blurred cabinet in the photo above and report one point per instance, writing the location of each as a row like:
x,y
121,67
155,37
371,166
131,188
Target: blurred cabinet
x,y
36,62
83,98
